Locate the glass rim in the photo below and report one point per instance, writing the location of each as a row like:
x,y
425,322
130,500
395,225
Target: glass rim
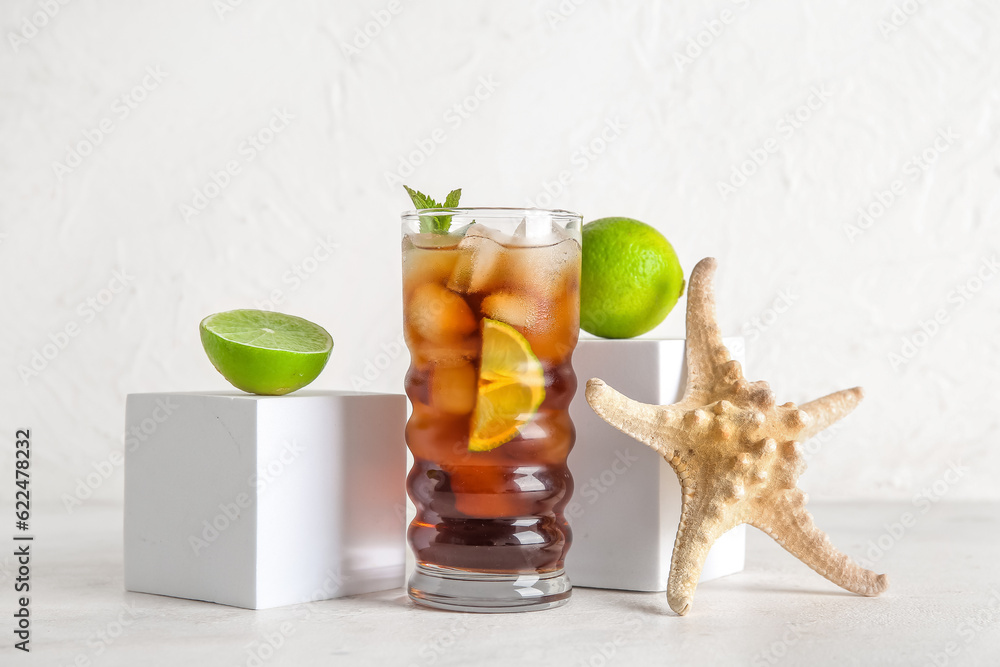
x,y
493,211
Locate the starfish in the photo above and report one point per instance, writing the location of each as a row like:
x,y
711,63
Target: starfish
x,y
737,454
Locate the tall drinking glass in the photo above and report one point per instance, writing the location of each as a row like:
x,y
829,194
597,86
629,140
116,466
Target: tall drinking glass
x,y
491,310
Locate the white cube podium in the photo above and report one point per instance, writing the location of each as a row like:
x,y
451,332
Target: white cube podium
x,y
627,502
264,501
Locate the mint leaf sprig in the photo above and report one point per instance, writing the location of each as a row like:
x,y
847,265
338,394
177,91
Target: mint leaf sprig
x,y
436,224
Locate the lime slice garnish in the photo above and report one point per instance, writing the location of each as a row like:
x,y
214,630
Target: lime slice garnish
x,y
511,387
266,353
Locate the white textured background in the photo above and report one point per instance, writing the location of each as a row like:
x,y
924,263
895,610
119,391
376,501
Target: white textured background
x,y
559,75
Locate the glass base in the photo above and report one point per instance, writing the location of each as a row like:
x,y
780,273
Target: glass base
x,y
484,592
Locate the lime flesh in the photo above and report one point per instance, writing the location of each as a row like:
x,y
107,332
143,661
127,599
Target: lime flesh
x,y
265,353
511,387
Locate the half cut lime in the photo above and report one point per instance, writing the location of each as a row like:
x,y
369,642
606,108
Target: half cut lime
x,y
265,353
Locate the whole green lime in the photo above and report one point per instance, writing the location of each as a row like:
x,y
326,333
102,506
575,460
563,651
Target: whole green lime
x,y
263,352
631,278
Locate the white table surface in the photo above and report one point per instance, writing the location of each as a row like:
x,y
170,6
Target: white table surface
x,y
944,596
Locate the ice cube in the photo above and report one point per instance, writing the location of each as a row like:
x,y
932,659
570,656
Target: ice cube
x,y
422,265
432,241
547,271
555,334
517,310
461,231
480,256
425,353
537,229
560,234
522,230
439,315
479,230
453,388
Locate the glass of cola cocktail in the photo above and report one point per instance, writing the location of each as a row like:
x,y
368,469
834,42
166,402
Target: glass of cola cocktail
x,y
491,301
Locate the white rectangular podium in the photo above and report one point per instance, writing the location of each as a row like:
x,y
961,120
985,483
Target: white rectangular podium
x,y
264,501
627,502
